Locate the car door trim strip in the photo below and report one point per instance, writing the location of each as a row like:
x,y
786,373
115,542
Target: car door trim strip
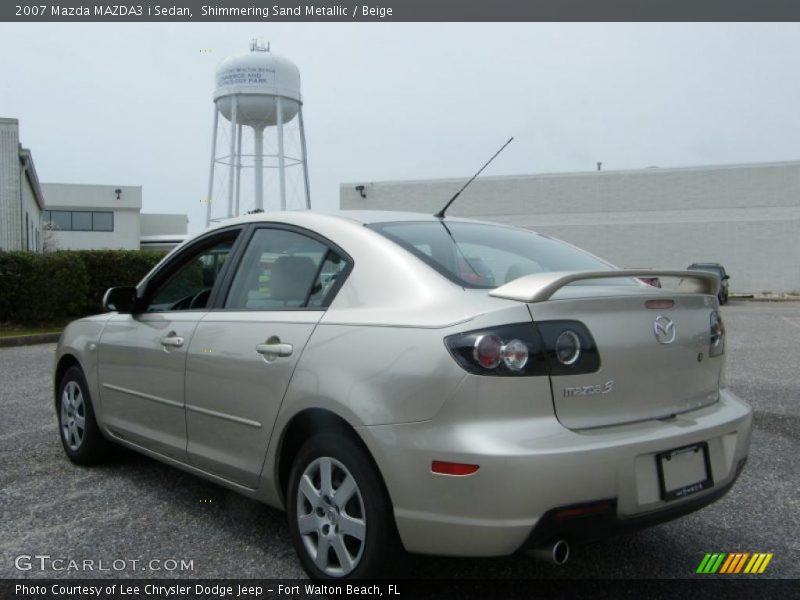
x,y
136,394
227,417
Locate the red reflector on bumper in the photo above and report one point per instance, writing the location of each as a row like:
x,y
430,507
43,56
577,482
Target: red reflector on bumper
x,y
449,468
581,511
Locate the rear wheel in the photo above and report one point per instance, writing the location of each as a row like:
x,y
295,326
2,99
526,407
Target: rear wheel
x,y
339,513
80,436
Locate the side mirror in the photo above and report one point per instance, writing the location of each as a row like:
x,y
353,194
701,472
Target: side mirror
x,y
120,299
726,277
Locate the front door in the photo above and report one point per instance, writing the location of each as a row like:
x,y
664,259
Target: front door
x,y
142,356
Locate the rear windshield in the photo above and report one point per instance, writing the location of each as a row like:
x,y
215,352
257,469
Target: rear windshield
x,y
708,268
486,256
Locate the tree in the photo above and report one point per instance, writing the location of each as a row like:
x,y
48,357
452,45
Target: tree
x,y
49,241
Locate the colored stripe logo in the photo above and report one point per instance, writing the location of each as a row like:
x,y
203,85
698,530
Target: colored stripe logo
x,y
734,563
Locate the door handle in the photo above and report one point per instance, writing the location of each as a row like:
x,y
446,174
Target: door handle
x,y
274,349
172,340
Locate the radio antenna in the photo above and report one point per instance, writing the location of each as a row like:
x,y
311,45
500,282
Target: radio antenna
x,y
440,214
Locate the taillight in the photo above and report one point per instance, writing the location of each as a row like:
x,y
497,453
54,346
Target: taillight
x,y
548,347
568,347
501,351
486,351
717,346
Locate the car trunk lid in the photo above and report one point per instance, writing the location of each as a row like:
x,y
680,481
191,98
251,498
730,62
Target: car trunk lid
x,y
646,371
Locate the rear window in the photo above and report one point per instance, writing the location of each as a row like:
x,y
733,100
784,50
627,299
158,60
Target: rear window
x,y
708,268
479,255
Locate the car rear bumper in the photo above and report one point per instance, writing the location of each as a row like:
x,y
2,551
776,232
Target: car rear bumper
x,y
530,469
600,519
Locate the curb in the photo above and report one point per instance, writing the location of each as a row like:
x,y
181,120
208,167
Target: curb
x,y
753,298
27,340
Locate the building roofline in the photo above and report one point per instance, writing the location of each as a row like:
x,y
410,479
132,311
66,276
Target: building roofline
x,y
30,172
654,169
98,185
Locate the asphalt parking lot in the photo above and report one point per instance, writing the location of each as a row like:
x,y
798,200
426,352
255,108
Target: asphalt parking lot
x,y
138,509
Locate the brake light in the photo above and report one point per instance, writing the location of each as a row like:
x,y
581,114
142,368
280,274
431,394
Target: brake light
x,y
547,347
717,328
486,351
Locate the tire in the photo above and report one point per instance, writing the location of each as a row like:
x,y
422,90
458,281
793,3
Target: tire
x,y
80,436
358,532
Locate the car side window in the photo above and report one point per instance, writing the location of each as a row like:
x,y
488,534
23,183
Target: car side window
x,y
189,288
333,269
283,270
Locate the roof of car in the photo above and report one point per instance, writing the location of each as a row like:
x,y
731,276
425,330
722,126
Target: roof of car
x,y
366,217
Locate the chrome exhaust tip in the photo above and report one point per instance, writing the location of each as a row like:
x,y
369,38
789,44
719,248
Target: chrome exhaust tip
x,y
556,553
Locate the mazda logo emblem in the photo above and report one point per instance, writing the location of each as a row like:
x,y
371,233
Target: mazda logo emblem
x,y
664,329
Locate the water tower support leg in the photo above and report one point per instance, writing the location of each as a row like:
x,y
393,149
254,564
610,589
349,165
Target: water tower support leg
x,y
259,166
211,168
238,168
281,159
231,157
304,157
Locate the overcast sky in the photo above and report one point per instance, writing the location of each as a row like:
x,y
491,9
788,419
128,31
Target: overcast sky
x,y
131,104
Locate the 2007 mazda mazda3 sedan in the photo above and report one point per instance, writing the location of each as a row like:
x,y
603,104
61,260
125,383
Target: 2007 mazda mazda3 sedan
x,y
400,381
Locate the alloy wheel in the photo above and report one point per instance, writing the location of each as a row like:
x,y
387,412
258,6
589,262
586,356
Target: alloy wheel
x,y
73,415
331,517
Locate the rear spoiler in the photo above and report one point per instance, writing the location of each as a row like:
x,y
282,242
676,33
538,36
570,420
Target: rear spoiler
x,y
539,287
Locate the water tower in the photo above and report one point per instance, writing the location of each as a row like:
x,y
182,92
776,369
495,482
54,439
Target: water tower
x,y
261,134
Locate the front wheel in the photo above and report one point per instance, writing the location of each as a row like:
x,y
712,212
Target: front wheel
x,y
339,513
81,438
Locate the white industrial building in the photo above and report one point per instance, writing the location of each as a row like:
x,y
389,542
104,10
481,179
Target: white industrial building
x,y
746,217
21,201
63,216
92,217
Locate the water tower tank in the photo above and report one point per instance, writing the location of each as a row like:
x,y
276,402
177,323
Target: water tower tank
x,y
257,79
258,94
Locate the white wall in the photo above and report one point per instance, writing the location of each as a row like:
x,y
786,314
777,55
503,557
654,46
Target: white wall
x,y
30,208
124,237
163,224
10,231
78,196
126,234
20,195
744,216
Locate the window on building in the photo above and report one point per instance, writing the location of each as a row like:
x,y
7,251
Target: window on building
x,y
79,220
103,221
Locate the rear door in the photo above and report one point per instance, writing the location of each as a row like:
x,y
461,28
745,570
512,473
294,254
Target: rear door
x,y
653,351
244,352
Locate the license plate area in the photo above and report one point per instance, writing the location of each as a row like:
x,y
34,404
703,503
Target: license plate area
x,y
684,471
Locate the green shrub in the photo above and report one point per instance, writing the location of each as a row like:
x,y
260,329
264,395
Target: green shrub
x,y
47,288
113,268
16,275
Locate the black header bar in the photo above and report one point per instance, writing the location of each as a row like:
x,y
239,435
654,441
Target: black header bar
x,y
401,10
